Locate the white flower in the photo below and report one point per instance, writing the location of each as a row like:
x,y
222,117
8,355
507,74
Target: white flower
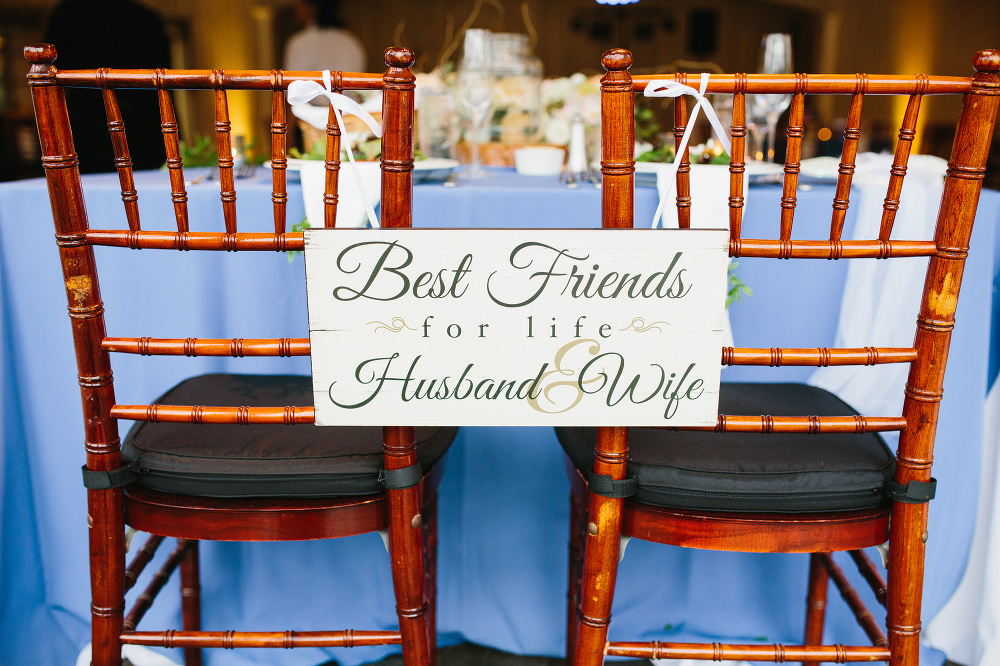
x,y
641,148
557,132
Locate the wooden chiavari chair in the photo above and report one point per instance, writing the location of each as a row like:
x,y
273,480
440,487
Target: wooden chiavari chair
x,y
345,481
628,481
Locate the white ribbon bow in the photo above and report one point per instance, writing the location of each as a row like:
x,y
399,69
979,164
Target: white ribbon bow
x,y
302,92
675,89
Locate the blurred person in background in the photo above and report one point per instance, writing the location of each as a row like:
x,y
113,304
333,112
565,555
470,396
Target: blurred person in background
x,y
89,34
323,43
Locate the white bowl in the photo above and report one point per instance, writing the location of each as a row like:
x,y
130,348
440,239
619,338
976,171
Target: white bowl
x,y
539,160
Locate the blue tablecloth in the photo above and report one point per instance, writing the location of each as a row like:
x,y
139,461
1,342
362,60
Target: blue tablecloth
x,y
504,497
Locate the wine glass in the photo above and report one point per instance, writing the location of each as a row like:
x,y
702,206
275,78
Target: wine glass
x,y
475,84
775,58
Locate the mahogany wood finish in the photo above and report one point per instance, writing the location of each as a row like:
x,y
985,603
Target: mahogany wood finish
x,y
279,155
852,132
191,600
793,154
898,171
757,532
141,559
145,600
719,652
260,639
408,514
683,177
330,192
816,601
602,521
237,347
871,575
123,161
822,356
175,165
850,595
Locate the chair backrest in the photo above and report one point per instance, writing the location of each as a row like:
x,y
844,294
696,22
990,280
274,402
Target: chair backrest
x,y
76,239
947,252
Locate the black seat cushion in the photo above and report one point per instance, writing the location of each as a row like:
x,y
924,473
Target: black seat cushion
x,y
783,473
211,460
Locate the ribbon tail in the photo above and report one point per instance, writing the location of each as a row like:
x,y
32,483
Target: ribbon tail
x,y
720,131
348,105
675,165
372,220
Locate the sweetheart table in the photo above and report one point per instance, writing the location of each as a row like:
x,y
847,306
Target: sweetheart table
x,y
504,497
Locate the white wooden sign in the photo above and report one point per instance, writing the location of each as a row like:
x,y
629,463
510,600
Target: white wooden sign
x,y
516,326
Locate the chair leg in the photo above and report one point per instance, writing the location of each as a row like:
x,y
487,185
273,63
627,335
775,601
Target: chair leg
x,y
107,574
600,559
577,532
191,601
816,602
907,535
430,572
406,551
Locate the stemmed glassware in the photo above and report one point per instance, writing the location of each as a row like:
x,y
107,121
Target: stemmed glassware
x,y
775,58
476,80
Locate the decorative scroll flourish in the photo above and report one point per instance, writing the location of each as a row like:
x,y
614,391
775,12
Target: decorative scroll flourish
x,y
639,325
395,325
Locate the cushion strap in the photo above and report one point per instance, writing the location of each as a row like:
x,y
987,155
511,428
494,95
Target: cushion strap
x,y
114,478
604,486
914,492
399,479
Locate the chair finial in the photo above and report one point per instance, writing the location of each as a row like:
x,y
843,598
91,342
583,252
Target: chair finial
x,y
40,54
987,61
398,56
617,60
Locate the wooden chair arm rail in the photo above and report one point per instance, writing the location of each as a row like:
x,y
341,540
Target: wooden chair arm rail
x,y
812,425
195,240
145,600
260,639
850,595
867,569
207,79
200,414
820,249
718,652
833,84
141,559
236,347
821,356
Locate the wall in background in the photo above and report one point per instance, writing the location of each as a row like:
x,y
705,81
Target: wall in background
x,y
892,36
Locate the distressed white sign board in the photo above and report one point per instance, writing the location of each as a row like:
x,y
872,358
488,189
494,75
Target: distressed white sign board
x,y
516,326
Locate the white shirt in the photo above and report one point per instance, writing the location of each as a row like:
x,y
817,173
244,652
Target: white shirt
x,y
314,48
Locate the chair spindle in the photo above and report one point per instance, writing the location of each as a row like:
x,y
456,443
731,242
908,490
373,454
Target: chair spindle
x,y
331,183
123,161
222,132
793,153
175,165
737,161
906,134
684,170
279,154
852,133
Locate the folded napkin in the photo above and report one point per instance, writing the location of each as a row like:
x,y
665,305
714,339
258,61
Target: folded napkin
x,y
882,298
